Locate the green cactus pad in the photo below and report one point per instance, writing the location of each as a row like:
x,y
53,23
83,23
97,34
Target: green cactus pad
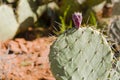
x,y
118,66
80,54
114,75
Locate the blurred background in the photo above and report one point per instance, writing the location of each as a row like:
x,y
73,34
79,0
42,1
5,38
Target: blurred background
x,y
36,18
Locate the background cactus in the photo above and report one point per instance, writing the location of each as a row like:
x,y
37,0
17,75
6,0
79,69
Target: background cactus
x,y
18,15
8,23
114,30
80,54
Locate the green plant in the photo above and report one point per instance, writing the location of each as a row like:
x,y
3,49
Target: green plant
x,y
63,27
81,54
17,15
90,18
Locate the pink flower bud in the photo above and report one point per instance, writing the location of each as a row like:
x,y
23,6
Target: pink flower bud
x,y
77,19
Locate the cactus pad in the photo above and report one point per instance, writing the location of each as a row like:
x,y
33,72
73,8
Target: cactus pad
x,y
80,54
114,75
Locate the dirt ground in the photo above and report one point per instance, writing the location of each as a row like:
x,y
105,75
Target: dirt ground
x,y
25,60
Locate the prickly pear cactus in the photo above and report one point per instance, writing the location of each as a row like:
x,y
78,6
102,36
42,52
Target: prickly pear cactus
x,y
118,66
80,54
115,73
8,23
114,30
18,15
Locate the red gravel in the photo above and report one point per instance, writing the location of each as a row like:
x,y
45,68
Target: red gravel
x,y
25,60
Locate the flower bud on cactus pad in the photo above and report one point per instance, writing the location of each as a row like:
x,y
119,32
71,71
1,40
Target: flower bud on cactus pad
x,y
77,19
80,54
